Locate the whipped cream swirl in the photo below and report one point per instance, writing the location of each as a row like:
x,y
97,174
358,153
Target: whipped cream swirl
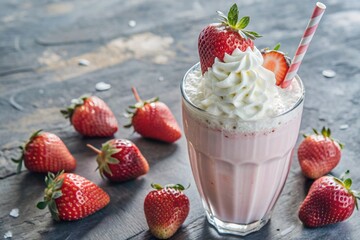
x,y
239,87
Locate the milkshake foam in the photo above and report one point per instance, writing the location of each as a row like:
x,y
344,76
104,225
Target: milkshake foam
x,y
240,90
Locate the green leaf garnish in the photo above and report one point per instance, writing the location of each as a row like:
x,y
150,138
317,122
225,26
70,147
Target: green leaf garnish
x,y
41,205
277,47
156,186
243,22
231,20
233,15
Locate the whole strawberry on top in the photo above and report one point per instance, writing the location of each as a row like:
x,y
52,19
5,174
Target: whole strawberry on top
x,y
91,117
71,197
45,152
120,160
318,154
153,119
277,62
330,200
219,38
166,209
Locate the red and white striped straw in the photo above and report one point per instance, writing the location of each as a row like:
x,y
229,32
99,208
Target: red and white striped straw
x,y
304,43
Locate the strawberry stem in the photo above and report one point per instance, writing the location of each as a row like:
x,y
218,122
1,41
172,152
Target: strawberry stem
x,y
136,95
93,148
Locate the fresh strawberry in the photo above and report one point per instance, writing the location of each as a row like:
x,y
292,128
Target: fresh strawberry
x,y
153,119
120,160
219,38
71,197
91,117
45,152
330,200
277,62
166,209
318,154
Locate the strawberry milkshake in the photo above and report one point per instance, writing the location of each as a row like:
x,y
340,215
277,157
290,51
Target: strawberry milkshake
x,y
241,126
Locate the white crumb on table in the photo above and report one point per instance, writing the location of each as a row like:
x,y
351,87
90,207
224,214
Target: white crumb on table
x,y
14,212
102,86
328,73
84,62
132,23
344,127
8,234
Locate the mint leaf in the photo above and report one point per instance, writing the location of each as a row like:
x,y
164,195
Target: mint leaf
x,y
243,22
233,15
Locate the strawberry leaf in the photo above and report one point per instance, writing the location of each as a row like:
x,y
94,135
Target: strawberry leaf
x,y
107,169
348,183
53,210
315,131
112,160
176,186
233,15
156,186
41,205
57,194
254,34
58,184
277,47
244,21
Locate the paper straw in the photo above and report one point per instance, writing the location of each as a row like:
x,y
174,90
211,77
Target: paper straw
x,y
304,43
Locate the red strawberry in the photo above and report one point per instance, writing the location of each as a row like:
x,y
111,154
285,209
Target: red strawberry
x,y
217,39
276,62
91,117
120,160
330,200
45,152
71,197
166,209
318,154
153,119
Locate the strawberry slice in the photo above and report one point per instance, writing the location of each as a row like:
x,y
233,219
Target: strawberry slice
x,y
276,62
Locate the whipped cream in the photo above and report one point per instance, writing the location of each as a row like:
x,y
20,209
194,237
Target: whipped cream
x,y
240,88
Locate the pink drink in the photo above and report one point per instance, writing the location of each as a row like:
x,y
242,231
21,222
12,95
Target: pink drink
x,y
240,171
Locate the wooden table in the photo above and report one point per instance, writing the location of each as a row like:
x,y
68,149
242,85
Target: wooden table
x,y
41,43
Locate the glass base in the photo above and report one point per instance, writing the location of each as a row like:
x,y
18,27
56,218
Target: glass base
x,y
234,228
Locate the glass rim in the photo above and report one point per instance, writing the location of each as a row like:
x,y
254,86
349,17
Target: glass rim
x,y
185,97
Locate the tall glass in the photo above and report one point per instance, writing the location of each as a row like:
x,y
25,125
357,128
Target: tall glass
x,y
239,172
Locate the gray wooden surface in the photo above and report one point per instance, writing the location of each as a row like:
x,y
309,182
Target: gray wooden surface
x,y
41,42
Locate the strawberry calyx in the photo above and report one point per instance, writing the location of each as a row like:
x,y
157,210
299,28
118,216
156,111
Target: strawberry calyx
x,y
52,192
178,187
76,102
231,20
105,158
326,133
346,182
131,111
22,148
